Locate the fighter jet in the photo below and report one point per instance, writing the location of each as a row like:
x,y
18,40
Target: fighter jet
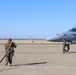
x,y
68,36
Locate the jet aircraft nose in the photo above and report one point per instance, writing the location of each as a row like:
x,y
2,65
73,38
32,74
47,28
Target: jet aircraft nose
x,y
54,38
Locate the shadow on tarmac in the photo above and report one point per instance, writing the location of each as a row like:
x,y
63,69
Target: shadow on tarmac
x,y
17,66
72,52
38,63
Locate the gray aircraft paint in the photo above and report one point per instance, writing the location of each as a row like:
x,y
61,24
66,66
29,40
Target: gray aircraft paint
x,y
69,36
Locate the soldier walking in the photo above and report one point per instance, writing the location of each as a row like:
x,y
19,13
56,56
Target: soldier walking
x,y
68,46
9,49
64,46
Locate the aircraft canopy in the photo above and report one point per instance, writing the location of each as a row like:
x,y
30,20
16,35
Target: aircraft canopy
x,y
73,29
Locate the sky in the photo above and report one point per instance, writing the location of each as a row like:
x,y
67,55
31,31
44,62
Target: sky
x,y
36,18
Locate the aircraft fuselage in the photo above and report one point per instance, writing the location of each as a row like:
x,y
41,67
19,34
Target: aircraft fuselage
x,y
69,36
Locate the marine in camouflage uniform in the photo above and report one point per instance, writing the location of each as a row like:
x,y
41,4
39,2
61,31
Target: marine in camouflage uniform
x,y
64,46
68,46
9,47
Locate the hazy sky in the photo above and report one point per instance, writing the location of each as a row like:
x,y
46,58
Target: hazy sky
x,y
36,18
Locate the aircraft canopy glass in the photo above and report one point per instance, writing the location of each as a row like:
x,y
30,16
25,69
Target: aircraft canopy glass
x,y
73,29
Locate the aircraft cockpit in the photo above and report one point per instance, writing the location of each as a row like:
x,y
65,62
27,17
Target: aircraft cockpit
x,y
73,29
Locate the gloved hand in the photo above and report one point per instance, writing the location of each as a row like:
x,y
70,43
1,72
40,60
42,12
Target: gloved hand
x,y
5,51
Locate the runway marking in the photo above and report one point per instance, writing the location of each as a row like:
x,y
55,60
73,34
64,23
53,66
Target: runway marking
x,y
56,69
7,69
60,67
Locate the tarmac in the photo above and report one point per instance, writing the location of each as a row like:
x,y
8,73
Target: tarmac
x,y
40,59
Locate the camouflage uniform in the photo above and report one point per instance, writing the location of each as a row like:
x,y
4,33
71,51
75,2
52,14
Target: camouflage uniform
x,y
64,46
10,52
68,47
